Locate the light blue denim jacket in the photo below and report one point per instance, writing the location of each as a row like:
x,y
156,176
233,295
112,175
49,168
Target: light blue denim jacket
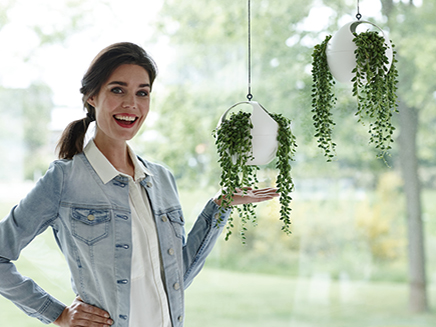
x,y
92,225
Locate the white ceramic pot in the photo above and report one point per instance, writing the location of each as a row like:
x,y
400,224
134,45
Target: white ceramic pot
x,y
264,133
340,51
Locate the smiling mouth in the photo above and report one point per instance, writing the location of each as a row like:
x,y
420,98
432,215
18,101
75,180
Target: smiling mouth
x,y
125,121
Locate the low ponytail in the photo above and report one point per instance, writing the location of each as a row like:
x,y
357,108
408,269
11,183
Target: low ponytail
x,y
103,65
71,141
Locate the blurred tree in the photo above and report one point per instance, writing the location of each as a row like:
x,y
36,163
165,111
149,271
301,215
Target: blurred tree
x,y
35,100
413,26
24,131
37,105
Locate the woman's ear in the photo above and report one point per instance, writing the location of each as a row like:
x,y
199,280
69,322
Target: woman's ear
x,y
91,101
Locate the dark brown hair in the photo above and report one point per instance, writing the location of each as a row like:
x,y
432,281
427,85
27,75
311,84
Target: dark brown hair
x,y
103,65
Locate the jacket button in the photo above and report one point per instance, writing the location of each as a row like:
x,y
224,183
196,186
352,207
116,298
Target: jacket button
x,y
149,184
91,217
164,218
180,319
122,281
176,286
171,251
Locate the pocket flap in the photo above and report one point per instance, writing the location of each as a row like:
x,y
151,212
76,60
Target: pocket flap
x,y
176,217
90,216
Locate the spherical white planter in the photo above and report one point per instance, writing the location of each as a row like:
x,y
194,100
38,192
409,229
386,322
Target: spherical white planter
x,y
264,133
340,51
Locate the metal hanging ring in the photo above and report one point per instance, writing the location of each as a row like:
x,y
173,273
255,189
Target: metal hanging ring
x,y
358,16
249,96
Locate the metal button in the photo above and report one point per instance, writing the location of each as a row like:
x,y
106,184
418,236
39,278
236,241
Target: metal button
x,y
181,218
91,217
217,216
122,281
180,319
171,251
176,286
149,184
164,218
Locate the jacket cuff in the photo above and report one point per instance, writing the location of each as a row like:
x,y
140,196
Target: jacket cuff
x,y
51,311
219,214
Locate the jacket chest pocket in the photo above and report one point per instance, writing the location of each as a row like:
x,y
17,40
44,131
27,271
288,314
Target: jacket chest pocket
x,y
177,222
90,225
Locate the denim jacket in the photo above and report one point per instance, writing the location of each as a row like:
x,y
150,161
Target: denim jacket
x,y
92,226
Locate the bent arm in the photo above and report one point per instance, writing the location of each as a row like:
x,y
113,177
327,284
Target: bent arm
x,y
27,220
27,295
202,238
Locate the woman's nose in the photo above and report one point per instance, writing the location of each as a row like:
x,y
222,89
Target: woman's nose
x,y
129,101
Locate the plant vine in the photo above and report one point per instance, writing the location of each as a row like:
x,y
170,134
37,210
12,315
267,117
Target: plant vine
x,y
233,141
323,99
374,86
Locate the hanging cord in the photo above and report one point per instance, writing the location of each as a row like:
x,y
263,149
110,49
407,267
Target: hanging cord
x,y
358,16
249,95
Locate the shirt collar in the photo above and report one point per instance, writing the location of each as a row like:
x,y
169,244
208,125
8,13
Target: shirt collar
x,y
106,171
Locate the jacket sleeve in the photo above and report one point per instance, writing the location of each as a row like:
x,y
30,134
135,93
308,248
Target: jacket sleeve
x,y
30,218
202,238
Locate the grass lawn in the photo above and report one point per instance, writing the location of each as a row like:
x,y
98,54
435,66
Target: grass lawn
x,y
223,298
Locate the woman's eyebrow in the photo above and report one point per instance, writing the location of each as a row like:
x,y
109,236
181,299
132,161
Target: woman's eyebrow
x,y
125,84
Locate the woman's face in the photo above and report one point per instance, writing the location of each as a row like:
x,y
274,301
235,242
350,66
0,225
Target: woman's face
x,y
122,104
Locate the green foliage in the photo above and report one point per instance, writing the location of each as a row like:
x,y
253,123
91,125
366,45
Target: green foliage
x,y
323,99
285,153
233,141
374,87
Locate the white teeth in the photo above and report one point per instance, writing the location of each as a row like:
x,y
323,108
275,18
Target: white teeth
x,y
126,118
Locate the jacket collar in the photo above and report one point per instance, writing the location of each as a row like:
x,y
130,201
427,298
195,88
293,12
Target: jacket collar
x,y
106,171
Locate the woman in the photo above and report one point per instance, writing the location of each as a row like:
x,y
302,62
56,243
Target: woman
x,y
116,217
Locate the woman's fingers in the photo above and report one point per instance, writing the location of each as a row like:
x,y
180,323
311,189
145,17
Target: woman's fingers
x,y
80,314
88,315
249,195
91,310
244,196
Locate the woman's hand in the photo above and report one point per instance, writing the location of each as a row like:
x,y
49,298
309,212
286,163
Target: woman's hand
x,y
80,314
248,195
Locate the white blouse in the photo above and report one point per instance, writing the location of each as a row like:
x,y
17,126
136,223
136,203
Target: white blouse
x,y
148,299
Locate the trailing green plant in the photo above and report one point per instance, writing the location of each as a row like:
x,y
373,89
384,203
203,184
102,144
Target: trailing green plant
x,y
374,86
323,99
234,147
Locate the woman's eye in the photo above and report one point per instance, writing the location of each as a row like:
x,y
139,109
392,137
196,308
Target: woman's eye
x,y
142,93
117,90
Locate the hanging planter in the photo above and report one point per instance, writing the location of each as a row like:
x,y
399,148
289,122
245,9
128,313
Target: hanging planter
x,y
263,131
367,61
341,57
246,140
